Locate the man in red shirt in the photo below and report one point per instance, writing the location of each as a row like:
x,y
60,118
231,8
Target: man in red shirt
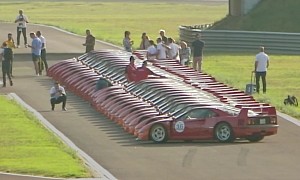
x,y
143,72
130,71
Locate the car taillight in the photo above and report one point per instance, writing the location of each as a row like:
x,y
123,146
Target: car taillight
x,y
251,121
273,120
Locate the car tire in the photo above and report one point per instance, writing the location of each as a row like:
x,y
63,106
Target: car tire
x,y
158,133
255,138
223,133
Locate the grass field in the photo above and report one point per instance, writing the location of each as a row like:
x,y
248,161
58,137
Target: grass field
x,y
27,147
270,15
282,76
109,20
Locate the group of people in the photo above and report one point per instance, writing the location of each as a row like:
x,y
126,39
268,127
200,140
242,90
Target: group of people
x,y
136,74
166,48
38,51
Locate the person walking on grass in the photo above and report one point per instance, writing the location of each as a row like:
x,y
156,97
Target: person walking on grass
x,y
58,95
43,51
6,56
89,41
260,68
10,44
197,49
36,47
21,21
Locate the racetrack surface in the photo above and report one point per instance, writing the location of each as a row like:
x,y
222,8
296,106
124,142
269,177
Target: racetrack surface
x,y
274,158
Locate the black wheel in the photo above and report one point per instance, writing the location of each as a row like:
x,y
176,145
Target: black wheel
x,y
158,133
223,133
255,138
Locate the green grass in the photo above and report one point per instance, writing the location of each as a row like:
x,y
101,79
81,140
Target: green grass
x,y
109,20
269,15
27,147
282,76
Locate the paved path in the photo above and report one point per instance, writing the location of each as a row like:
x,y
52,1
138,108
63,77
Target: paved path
x,y
276,157
24,81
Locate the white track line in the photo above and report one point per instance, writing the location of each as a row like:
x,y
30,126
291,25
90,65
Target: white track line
x,y
97,170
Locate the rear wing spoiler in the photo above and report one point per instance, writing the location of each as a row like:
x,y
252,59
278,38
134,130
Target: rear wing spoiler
x,y
264,110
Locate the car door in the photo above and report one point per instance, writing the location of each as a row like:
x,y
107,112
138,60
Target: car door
x,y
190,125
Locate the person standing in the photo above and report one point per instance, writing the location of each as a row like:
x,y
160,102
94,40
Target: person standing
x,y
10,44
197,46
260,68
6,56
184,53
21,21
174,49
36,47
163,36
161,49
130,70
43,51
145,42
151,51
127,42
89,41
58,95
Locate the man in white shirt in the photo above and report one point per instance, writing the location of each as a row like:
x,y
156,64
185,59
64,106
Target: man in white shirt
x,y
43,50
161,50
174,49
21,21
261,66
58,95
151,51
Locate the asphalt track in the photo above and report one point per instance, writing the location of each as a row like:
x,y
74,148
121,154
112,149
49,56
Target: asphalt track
x,y
274,158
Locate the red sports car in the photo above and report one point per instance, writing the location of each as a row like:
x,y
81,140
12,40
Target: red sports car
x,y
224,124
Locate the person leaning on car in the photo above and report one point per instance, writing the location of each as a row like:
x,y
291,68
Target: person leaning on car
x,y
143,72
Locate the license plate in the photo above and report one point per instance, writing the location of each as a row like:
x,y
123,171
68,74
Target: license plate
x,y
262,121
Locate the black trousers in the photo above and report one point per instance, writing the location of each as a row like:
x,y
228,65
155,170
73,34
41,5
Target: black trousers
x,y
23,31
11,66
58,100
261,75
6,71
43,57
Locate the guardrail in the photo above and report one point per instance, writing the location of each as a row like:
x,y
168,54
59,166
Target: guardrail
x,y
243,41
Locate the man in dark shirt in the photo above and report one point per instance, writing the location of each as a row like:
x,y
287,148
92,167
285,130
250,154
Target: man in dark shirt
x,y
6,56
197,46
89,41
163,36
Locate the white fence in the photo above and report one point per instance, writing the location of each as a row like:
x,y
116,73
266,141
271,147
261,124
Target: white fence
x,y
243,41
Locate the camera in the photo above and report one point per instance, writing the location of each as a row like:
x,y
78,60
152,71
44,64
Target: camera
x,y
21,18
